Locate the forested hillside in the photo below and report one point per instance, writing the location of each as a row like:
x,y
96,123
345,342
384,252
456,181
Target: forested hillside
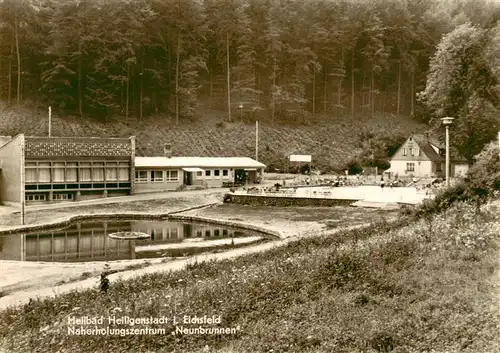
x,y
333,145
275,58
171,64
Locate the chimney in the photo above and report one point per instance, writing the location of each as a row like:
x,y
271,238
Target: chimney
x,y
167,150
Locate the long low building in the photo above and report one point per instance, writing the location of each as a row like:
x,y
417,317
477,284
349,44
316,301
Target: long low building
x,y
50,169
170,173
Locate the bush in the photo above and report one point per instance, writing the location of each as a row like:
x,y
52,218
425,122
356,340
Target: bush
x,y
444,199
354,167
484,175
483,181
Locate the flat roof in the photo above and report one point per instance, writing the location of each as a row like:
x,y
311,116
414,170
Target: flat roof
x,y
201,162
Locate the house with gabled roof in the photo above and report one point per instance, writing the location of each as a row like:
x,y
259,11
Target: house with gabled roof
x,y
422,156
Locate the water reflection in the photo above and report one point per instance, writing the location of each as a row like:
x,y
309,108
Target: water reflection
x,y
88,241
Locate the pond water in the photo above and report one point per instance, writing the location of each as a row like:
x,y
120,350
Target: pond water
x,y
89,241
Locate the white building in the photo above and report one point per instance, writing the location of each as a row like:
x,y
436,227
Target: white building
x,y
420,156
169,173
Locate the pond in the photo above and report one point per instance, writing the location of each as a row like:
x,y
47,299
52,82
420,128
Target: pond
x,y
90,241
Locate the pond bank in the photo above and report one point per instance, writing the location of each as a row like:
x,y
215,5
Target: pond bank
x,y
31,279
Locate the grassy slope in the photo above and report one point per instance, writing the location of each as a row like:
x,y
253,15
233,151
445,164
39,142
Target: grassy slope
x,y
329,140
430,286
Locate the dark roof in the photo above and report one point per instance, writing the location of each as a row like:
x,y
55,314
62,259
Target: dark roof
x,y
426,148
427,140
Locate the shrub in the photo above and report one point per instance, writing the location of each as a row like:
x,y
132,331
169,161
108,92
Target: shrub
x,y
484,175
483,181
444,199
354,167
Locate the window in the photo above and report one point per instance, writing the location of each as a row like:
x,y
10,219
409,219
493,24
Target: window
x,y
410,167
71,171
98,171
124,171
411,151
417,151
404,152
111,171
58,172
224,172
44,172
171,175
141,176
216,172
439,167
157,175
207,173
85,171
30,172
199,174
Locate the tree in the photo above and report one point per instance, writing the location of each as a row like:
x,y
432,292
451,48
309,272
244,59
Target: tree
x,y
15,13
462,84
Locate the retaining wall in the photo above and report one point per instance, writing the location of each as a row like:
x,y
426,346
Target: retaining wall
x,y
283,201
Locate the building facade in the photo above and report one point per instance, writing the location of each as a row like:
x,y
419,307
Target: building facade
x,y
417,157
65,168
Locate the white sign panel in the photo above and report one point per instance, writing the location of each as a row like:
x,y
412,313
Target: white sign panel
x,y
300,158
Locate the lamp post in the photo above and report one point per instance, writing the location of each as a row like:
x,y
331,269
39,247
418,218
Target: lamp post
x,y
447,121
240,107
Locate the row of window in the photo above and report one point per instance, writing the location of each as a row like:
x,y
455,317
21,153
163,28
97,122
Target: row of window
x,y
412,151
43,197
60,172
144,176
34,197
216,173
410,167
141,176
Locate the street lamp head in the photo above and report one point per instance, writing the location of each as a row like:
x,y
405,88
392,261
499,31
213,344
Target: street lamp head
x,y
447,120
240,106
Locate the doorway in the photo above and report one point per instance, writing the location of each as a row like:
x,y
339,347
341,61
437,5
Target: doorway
x,y
188,178
239,176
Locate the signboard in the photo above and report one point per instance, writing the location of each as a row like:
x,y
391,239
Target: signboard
x,y
300,158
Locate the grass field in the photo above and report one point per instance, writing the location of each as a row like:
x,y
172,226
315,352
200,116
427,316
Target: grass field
x,y
330,140
421,286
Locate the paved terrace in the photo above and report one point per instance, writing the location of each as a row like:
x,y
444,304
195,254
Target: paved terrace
x,y
372,194
110,200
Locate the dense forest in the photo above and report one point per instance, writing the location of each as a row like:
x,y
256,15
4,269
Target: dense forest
x,y
252,58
